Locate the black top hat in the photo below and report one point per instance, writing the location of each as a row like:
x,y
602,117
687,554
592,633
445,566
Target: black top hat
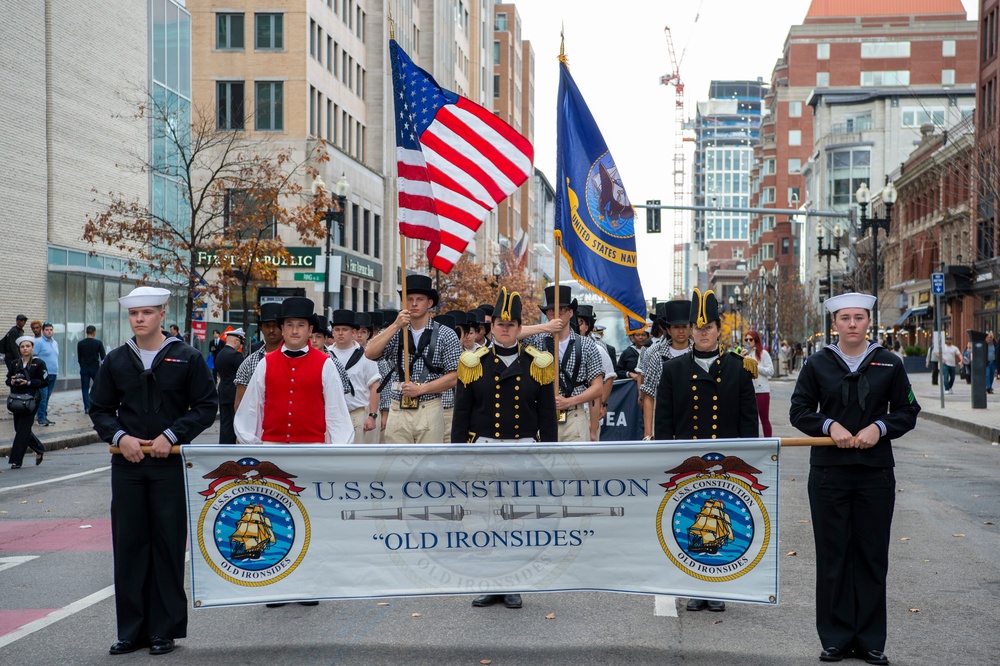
x,y
269,312
447,320
487,309
296,307
675,313
476,317
421,284
361,320
586,311
704,308
508,307
565,294
343,318
319,324
377,318
388,317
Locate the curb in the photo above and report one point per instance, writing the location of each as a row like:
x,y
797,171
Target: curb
x,y
987,432
61,442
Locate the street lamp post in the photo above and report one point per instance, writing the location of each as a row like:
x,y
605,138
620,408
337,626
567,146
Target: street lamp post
x,y
829,252
864,197
332,214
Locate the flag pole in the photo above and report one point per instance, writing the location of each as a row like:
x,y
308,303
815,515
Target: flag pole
x,y
402,306
555,303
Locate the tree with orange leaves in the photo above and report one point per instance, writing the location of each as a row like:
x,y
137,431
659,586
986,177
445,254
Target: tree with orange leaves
x,y
233,193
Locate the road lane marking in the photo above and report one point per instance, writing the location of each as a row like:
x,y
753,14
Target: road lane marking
x,y
58,478
11,562
666,606
57,615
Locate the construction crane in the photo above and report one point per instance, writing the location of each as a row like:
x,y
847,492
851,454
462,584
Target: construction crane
x,y
674,79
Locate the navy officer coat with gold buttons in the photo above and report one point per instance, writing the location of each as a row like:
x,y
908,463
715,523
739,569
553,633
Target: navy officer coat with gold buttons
x,y
694,404
505,402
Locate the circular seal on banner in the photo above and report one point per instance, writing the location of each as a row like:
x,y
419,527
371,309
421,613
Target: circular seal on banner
x,y
713,529
253,534
607,201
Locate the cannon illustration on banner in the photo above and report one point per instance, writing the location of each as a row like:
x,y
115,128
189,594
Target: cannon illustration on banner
x,y
506,511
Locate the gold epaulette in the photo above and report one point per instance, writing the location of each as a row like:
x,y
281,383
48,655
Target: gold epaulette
x,y
470,367
543,368
750,365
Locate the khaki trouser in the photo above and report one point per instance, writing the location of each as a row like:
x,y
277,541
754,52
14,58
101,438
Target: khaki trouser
x,y
358,417
577,426
448,414
423,425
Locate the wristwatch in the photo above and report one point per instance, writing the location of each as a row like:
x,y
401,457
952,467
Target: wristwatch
x,y
373,415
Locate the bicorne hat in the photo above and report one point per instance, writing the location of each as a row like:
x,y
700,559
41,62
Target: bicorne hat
x,y
704,308
421,284
508,307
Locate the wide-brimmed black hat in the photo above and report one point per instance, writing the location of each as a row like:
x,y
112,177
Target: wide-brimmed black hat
x,y
363,320
477,317
487,309
675,313
388,317
343,318
448,320
269,312
377,318
508,307
704,308
421,284
319,324
565,294
587,312
296,307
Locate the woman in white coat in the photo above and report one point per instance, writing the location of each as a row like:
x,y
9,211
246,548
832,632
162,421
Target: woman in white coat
x,y
765,368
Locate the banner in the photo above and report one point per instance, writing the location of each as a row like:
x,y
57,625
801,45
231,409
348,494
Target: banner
x,y
623,422
295,523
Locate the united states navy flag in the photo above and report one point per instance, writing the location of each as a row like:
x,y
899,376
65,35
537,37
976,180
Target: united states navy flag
x,y
595,221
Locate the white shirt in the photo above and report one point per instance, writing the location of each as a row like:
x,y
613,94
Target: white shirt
x,y
606,364
765,369
362,374
249,420
950,354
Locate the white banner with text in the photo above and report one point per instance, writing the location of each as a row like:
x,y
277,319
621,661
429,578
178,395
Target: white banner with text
x,y
297,523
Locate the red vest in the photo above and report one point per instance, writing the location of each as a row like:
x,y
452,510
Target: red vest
x,y
294,408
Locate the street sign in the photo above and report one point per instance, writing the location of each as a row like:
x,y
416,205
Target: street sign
x,y
309,277
937,283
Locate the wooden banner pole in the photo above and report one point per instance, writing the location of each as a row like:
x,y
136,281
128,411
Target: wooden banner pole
x,y
402,306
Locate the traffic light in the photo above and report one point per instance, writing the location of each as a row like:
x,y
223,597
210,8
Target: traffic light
x,y
824,287
652,217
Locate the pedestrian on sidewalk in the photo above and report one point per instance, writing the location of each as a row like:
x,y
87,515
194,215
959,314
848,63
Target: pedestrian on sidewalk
x,y
965,372
858,393
89,354
47,349
761,387
949,359
25,374
991,360
9,343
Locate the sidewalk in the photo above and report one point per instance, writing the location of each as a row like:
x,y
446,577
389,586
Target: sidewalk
x,y
72,427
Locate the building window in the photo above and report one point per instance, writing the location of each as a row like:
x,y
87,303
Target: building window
x,y
916,116
795,109
770,166
496,86
885,49
270,108
784,246
767,223
822,79
496,53
767,195
794,137
794,165
947,77
822,51
794,195
500,25
845,171
888,78
230,105
857,122
270,33
377,233
366,247
768,249
948,48
229,31
355,223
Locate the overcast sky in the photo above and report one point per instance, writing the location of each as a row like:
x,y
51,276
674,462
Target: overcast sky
x,y
617,53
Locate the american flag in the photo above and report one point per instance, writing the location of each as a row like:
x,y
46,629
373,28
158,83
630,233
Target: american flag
x,y
455,161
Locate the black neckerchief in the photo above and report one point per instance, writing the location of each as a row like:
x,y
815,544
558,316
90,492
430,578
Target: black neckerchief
x,y
505,351
704,354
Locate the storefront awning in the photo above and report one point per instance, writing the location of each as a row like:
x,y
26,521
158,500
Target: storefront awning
x,y
906,315
913,312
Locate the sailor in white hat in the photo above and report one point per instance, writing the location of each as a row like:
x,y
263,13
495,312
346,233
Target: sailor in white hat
x,y
857,392
154,391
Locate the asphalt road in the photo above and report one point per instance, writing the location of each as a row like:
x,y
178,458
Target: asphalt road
x,y
943,584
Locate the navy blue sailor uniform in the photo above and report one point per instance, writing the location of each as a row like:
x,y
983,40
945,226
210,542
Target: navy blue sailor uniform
x,y
497,401
851,490
177,398
694,404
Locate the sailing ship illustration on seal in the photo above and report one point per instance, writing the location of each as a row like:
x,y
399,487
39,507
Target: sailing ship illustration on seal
x,y
712,528
253,534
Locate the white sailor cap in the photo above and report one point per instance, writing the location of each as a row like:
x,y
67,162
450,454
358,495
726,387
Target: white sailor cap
x,y
142,297
25,338
850,300
237,333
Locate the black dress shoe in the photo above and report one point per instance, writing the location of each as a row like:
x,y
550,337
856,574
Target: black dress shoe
x,y
512,600
16,466
697,604
487,600
831,654
717,606
275,605
38,458
308,603
159,645
873,657
125,647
